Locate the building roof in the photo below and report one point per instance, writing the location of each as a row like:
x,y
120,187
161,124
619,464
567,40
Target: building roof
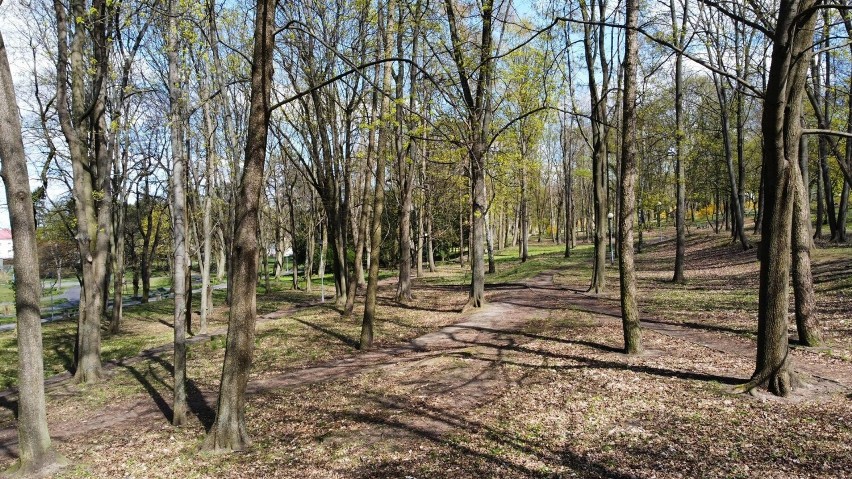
x,y
5,234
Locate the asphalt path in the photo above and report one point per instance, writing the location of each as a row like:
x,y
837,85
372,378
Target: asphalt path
x,y
72,297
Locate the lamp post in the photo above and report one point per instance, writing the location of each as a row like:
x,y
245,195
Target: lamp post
x,y
611,249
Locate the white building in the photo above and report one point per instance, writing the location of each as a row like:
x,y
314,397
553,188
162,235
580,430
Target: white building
x,y
6,245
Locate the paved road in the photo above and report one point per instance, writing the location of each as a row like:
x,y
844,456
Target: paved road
x,y
72,296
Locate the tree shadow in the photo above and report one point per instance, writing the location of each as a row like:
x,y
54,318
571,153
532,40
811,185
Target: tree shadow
x,y
199,406
706,327
428,422
342,337
9,452
152,391
456,288
584,362
195,399
10,404
411,307
63,345
578,342
537,303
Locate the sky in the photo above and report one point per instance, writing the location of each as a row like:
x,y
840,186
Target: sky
x,y
11,13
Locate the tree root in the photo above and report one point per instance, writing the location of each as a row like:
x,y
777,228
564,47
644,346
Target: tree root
x,y
780,381
46,466
88,377
224,440
473,303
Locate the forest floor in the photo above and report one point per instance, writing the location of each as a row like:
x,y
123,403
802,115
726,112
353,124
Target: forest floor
x,y
532,385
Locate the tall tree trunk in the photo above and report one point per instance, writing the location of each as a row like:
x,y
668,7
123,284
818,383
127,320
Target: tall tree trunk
x,y
807,324
743,49
323,250
421,213
476,101
842,212
178,198
421,229
229,428
627,189
679,33
367,325
524,213
430,245
758,217
212,159
119,215
92,190
225,102
361,236
36,457
291,209
406,157
827,104
207,223
489,242
461,236
222,261
828,190
734,205
781,126
309,257
568,173
599,133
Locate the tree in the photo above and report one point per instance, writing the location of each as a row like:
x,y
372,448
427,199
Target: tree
x,y
527,90
475,86
679,34
595,51
37,455
229,429
716,49
627,187
807,325
407,160
85,128
367,324
781,122
177,105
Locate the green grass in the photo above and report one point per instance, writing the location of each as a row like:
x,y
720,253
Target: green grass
x,y
541,257
7,295
147,326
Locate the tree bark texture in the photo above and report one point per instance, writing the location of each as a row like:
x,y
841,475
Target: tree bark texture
x,y
594,52
405,162
83,121
37,456
679,33
368,322
627,268
782,130
475,91
807,324
178,216
229,428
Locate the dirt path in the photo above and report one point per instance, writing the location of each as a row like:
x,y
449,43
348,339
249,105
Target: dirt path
x,y
484,327
426,363
824,369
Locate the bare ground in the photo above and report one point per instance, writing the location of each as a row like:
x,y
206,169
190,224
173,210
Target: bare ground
x,y
533,385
